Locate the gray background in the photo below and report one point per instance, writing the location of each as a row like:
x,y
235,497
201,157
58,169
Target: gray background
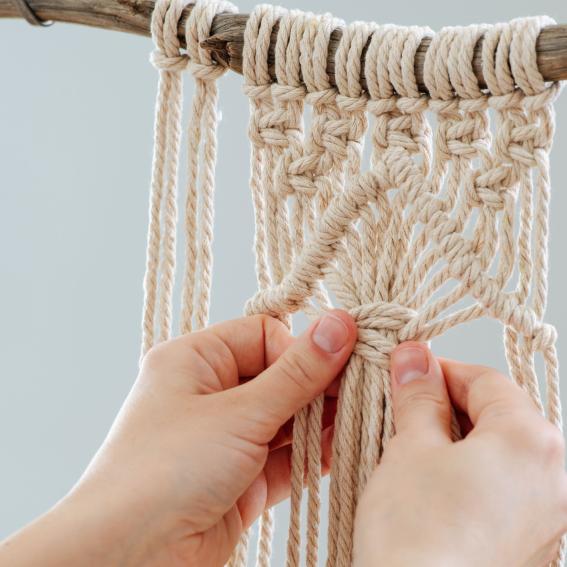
x,y
76,117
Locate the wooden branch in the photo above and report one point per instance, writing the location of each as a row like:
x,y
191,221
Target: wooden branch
x,y
226,41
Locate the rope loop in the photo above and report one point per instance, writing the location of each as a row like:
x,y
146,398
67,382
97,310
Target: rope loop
x,y
168,55
544,337
198,29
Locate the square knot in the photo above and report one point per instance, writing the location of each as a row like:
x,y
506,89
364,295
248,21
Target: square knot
x,y
271,129
382,315
400,168
289,184
399,130
266,136
379,325
463,136
491,187
526,138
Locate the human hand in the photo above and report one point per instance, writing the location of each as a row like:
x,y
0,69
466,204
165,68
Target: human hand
x,y
200,448
497,497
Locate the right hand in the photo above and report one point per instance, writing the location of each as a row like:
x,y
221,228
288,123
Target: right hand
x,y
496,498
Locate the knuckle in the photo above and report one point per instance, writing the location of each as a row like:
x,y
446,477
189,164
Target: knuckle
x,y
212,353
420,399
273,328
177,352
484,380
157,357
551,443
296,368
491,373
538,438
268,323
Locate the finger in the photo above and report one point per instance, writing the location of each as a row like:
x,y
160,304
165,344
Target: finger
x,y
422,409
300,374
484,393
223,352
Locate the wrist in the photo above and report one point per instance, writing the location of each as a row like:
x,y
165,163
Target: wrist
x,y
111,524
91,532
71,533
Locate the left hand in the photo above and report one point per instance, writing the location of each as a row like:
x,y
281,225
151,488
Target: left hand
x,y
200,448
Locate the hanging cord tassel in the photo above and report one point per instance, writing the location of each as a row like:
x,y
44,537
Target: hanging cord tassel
x,y
202,149
160,262
161,250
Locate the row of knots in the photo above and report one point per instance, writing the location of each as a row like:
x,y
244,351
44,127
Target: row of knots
x,y
301,63
464,122
392,95
169,55
377,62
462,259
508,55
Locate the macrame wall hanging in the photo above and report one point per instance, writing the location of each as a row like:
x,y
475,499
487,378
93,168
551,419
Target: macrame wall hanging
x,y
447,224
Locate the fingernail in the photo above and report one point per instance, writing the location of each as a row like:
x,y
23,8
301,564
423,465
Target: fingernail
x,y
330,334
410,363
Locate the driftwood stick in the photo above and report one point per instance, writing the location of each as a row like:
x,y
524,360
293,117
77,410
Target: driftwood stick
x,y
226,42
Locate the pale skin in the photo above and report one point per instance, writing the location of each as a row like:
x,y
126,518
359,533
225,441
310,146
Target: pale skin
x,y
201,447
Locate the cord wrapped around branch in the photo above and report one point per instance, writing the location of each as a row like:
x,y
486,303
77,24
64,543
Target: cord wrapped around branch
x,y
440,229
227,34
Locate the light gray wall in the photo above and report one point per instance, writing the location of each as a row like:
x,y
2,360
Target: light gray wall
x,y
76,109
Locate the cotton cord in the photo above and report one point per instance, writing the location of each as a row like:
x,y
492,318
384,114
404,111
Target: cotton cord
x,y
160,263
172,61
201,165
401,261
448,223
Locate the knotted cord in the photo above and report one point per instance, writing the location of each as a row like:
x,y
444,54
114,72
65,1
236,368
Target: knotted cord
x,y
446,224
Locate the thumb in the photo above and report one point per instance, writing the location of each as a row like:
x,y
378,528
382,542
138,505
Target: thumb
x,y
422,408
302,372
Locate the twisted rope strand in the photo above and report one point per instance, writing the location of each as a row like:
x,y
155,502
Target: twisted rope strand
x,y
170,62
445,226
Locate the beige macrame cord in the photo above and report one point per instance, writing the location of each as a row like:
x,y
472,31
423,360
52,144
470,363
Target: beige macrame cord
x,y
442,227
